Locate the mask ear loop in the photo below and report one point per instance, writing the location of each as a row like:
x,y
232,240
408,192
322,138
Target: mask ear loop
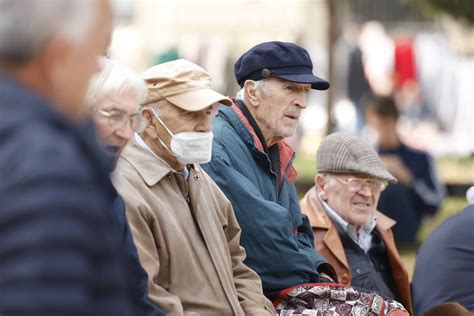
x,y
161,122
166,129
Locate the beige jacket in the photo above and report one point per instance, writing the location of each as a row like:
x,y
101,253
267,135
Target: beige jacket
x,y
329,244
192,254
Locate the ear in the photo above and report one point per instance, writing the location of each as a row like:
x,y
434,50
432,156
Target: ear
x,y
321,186
150,130
251,92
52,58
51,61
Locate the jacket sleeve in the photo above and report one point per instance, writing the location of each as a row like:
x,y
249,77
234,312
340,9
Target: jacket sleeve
x,y
144,227
282,256
139,285
429,191
247,282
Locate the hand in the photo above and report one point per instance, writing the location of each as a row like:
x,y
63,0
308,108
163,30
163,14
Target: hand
x,y
396,167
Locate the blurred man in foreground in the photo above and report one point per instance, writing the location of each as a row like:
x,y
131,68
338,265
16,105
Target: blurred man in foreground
x,y
113,98
57,257
185,229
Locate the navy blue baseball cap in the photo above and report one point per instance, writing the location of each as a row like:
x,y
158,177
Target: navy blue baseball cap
x,y
286,61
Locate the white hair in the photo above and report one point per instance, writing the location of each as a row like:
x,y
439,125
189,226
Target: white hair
x,y
26,26
114,79
259,85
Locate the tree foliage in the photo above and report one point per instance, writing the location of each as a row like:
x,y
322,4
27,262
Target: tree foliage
x,y
459,9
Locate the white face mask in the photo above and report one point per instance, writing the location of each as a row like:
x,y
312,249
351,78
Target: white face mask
x,y
188,147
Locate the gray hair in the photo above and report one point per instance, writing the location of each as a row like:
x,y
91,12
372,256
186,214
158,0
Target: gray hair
x,y
114,79
26,26
156,106
259,85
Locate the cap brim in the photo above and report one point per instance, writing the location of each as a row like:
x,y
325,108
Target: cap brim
x,y
199,99
316,82
375,172
383,174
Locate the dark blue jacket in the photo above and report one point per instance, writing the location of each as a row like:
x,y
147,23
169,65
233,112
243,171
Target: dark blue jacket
x,y
56,254
444,269
137,279
407,205
277,237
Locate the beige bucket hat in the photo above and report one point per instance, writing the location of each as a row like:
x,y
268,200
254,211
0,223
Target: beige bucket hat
x,y
182,83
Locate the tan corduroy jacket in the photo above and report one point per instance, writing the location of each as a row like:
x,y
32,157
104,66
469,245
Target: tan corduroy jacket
x,y
191,252
329,245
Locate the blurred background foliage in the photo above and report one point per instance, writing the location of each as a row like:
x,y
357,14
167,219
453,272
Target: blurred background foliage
x,y
459,9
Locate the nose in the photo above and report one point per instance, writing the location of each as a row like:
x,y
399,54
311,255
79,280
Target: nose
x,y
203,124
302,100
366,190
125,132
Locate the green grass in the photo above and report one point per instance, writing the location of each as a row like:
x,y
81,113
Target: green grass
x,y
305,165
456,170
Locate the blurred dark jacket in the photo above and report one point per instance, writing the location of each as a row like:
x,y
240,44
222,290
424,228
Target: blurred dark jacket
x,y
408,204
57,254
444,269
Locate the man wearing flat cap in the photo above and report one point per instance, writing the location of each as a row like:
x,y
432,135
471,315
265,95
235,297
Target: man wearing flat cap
x,y
184,227
253,165
348,230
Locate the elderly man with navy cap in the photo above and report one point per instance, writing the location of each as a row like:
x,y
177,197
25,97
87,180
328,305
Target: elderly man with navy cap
x,y
253,165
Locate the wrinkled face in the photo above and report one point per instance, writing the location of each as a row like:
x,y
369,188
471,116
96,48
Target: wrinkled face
x,y
357,208
75,64
177,120
279,107
107,112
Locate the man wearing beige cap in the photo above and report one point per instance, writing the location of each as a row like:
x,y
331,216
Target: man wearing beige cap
x,y
184,227
348,230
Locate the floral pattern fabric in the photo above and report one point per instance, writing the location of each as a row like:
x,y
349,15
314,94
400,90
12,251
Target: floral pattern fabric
x,y
329,299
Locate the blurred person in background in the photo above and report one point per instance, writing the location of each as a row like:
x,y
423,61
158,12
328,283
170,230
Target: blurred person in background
x,y
186,233
418,191
57,257
252,164
444,269
348,230
113,98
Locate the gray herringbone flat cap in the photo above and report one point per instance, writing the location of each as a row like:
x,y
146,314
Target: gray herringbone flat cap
x,y
347,153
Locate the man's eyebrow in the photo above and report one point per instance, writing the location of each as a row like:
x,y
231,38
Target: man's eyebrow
x,y
113,108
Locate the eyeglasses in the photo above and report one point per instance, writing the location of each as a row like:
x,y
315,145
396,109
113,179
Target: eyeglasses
x,y
357,184
117,119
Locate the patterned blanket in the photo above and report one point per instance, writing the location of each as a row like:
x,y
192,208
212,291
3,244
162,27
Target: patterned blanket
x,y
331,299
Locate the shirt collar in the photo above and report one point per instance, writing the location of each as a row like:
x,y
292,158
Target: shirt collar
x,y
140,142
